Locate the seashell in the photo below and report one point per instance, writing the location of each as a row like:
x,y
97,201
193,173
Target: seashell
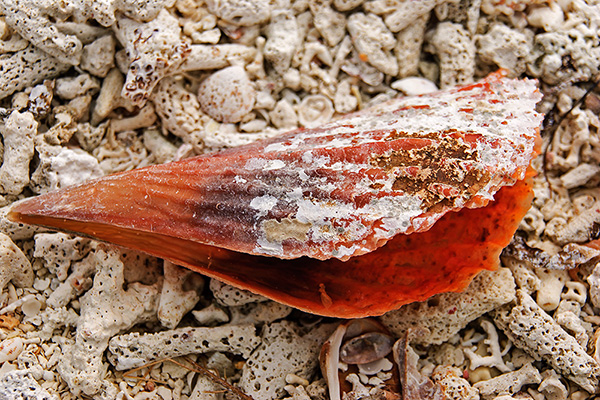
x,y
338,372
366,348
323,202
227,95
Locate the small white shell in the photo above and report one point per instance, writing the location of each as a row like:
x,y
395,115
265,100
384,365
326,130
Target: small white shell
x,y
414,86
227,95
10,349
315,110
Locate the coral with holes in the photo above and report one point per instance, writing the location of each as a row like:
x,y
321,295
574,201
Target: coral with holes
x,y
509,383
134,350
286,348
106,309
446,314
154,49
17,132
533,330
14,265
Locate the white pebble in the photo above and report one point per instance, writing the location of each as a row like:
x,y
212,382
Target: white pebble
x,y
41,284
31,307
227,95
414,86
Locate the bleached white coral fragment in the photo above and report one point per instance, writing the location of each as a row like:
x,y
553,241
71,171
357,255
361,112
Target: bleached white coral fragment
x,y
227,95
446,314
240,12
283,115
21,385
228,295
330,23
525,277
259,313
60,167
69,88
133,350
398,13
217,56
180,293
568,316
508,383
550,17
456,52
414,86
551,286
145,118
110,97
14,265
296,350
493,344
32,21
374,41
161,149
106,309
550,49
346,5
78,281
17,134
282,40
552,387
580,175
496,7
155,49
533,330
505,47
98,57
40,98
453,385
210,315
59,250
409,42
179,110
345,101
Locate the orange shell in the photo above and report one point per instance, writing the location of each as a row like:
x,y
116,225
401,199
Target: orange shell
x,y
332,193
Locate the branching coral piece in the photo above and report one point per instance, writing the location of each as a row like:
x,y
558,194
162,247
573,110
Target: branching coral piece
x,y
180,293
135,350
106,309
509,383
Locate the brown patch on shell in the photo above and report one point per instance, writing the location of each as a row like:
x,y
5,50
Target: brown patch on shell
x,y
435,169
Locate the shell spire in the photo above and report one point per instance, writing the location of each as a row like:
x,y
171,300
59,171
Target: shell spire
x,y
339,192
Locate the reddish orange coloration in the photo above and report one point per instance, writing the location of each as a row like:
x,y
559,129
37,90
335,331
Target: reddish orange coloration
x,y
392,174
409,268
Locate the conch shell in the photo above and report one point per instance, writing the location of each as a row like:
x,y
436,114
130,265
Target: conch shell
x,y
356,216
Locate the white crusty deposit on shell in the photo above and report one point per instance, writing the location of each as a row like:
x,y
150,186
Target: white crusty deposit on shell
x,y
312,220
